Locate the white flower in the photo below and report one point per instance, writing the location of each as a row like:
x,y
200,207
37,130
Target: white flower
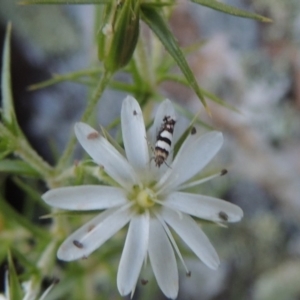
x,y
147,197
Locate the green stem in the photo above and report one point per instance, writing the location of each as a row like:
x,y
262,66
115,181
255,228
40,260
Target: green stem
x,y
85,117
27,153
96,95
58,78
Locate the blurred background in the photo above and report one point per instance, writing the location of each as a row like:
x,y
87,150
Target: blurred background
x,y
254,67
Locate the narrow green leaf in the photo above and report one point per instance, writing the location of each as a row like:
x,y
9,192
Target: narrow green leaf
x,y
158,25
8,112
5,246
167,63
15,289
30,2
218,100
18,167
205,93
7,98
191,116
172,77
73,76
231,10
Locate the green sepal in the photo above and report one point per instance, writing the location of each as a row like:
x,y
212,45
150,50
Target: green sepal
x,y
156,22
119,33
15,289
231,10
18,167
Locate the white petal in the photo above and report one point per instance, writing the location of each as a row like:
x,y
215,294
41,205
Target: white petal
x,y
193,236
195,153
134,134
163,260
104,154
166,108
85,197
134,253
204,207
93,234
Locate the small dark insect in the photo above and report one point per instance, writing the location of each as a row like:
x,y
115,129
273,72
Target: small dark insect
x,y
193,131
78,244
134,113
164,140
93,135
223,216
144,281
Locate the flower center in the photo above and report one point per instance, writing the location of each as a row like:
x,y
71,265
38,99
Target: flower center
x,y
144,197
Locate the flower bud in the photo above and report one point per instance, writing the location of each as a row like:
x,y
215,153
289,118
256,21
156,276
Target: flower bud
x,y
119,32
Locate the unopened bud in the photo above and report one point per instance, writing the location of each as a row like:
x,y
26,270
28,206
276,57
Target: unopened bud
x,y
119,32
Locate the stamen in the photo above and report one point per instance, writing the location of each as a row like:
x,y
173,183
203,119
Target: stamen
x,y
116,210
169,234
221,224
169,206
200,181
189,274
165,185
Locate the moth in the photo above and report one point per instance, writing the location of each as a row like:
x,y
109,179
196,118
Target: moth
x,y
164,140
